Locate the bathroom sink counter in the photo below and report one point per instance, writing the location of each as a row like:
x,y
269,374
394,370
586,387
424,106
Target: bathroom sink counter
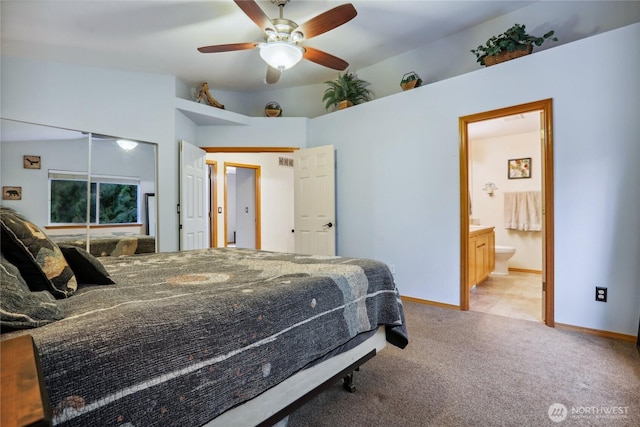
x,y
482,244
475,230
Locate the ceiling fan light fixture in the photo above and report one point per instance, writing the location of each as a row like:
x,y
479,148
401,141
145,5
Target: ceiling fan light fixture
x,y
281,55
126,144
270,35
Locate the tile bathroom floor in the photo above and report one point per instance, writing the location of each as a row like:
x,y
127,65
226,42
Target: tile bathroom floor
x,y
517,295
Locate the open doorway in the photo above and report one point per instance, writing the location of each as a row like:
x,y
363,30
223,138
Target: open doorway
x,y
242,217
468,126
276,193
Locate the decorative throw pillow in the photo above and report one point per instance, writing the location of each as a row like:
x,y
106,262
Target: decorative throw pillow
x,y
38,258
87,269
19,307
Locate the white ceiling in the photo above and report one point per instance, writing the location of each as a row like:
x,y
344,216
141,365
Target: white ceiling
x,y
503,126
162,36
13,131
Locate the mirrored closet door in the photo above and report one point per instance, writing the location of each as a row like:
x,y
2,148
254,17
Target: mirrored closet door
x,y
89,190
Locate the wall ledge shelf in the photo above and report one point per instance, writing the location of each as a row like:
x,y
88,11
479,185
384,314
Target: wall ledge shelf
x,y
206,115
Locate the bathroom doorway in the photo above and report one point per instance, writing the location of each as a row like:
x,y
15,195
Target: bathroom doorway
x,y
468,125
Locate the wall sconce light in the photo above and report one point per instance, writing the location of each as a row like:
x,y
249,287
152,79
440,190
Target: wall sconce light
x,y
489,187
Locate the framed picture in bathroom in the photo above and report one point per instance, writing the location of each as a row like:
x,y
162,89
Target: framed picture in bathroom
x,y
519,168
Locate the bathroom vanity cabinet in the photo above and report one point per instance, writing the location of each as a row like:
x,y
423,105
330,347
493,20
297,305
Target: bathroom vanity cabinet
x,y
482,261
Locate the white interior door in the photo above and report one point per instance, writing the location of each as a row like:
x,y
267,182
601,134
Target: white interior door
x,y
315,201
193,197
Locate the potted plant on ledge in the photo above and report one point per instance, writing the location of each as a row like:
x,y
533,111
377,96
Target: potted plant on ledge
x,y
345,91
511,44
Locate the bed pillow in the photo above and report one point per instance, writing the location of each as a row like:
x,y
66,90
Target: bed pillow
x,y
38,258
87,269
19,307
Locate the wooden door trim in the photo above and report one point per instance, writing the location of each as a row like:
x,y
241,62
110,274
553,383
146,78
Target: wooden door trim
x,y
258,198
250,149
546,107
213,204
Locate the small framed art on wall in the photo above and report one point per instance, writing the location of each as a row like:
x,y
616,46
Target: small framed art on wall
x,y
519,168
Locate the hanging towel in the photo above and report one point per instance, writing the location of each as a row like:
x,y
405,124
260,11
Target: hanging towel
x,y
523,210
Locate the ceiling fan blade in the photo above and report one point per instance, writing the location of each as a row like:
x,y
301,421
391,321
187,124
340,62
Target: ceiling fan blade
x,y
253,11
328,20
273,75
325,59
227,47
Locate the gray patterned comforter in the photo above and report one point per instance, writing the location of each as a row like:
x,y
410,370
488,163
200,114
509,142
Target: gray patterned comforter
x,y
182,337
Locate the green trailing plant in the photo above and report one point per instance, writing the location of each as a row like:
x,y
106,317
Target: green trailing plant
x,y
515,38
346,87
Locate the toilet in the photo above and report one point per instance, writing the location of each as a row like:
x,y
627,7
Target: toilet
x,y
503,254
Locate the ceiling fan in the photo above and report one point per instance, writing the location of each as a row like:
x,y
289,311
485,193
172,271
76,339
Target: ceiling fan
x,y
281,49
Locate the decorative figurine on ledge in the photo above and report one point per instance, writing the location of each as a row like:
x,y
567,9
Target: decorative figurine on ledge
x,y
272,109
204,92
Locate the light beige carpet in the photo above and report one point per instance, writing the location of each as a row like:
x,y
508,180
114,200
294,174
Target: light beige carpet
x,y
477,369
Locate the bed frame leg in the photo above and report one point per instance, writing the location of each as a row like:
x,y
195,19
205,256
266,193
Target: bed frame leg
x,y
347,382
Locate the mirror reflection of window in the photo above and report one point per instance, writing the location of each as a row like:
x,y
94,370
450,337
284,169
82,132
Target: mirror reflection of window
x,y
113,199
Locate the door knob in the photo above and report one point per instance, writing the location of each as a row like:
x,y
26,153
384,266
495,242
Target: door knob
x,y
327,225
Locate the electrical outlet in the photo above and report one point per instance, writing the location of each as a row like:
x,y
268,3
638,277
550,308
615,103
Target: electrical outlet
x,y
601,294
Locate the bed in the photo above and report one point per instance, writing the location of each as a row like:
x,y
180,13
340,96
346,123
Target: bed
x,y
216,337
